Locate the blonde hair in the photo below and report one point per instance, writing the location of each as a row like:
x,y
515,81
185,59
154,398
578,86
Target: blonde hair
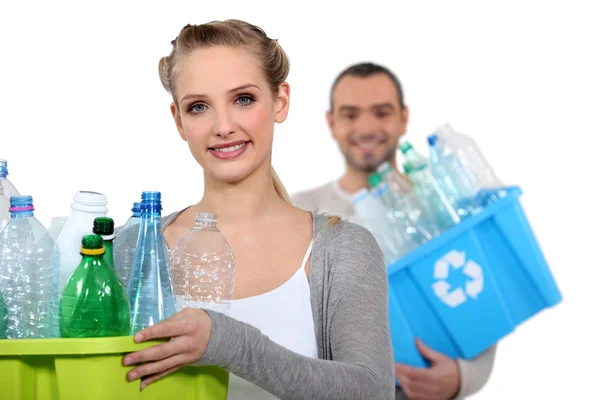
x,y
234,33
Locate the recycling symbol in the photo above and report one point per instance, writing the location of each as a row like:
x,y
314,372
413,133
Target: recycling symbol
x,y
456,260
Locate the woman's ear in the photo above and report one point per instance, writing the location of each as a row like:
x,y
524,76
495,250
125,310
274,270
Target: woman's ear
x,y
282,102
177,119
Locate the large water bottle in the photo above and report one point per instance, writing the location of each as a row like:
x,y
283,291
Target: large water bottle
x,y
402,190
203,266
466,150
3,317
414,230
149,289
455,180
372,214
4,208
125,243
28,274
94,303
432,196
56,226
9,189
85,208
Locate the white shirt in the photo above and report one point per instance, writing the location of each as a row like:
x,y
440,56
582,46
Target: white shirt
x,y
328,199
285,315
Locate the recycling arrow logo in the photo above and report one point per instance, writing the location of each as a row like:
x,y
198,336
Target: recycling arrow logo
x,y
457,260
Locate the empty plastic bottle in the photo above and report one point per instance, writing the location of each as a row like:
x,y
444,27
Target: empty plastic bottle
x,y
125,243
56,226
3,318
402,190
149,289
28,274
85,208
372,214
4,209
94,303
9,188
417,233
203,266
105,227
413,156
466,150
432,196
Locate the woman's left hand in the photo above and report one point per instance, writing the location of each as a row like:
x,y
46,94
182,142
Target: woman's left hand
x,y
189,332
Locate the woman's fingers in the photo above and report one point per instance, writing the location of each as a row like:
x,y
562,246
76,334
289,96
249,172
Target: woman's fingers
x,y
157,352
157,367
153,378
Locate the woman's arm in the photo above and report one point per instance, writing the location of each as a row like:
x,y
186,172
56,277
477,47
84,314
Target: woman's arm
x,y
360,344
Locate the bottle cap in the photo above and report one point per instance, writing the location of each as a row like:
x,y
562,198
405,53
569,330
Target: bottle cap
x,y
374,179
104,226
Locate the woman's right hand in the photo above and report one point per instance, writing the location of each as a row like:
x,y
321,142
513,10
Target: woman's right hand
x,y
188,331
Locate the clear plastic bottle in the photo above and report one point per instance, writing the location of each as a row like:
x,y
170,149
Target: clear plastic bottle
x,y
149,289
203,266
94,303
28,274
466,150
105,227
85,208
125,244
3,317
432,196
417,233
9,188
373,215
56,226
4,208
455,180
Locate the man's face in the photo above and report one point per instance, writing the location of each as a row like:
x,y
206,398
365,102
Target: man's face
x,y
366,120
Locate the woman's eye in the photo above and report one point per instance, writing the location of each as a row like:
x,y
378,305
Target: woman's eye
x,y
245,100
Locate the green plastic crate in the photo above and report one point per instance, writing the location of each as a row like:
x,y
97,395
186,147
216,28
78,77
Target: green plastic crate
x,y
92,369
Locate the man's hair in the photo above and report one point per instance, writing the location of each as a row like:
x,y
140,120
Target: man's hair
x,y
365,70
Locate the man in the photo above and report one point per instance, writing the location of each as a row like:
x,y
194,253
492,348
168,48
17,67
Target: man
x,y
367,118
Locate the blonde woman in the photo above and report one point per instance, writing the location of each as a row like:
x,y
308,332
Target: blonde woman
x,y
309,319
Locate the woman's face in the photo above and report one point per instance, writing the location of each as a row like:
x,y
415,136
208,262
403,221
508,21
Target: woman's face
x,y
227,111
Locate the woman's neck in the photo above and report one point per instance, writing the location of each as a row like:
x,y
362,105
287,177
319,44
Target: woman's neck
x,y
251,199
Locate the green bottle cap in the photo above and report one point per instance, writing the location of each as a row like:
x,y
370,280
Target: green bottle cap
x,y
92,242
374,179
104,226
405,147
408,167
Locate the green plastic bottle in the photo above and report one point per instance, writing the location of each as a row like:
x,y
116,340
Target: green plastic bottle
x,y
105,227
94,303
3,318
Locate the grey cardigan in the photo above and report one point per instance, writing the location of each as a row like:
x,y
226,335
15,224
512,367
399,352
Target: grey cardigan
x,y
349,298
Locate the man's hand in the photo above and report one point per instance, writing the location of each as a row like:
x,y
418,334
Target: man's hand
x,y
441,381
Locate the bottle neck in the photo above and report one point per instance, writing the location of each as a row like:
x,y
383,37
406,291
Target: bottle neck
x,y
205,225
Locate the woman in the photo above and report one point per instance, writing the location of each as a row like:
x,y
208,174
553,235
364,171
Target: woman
x,y
309,316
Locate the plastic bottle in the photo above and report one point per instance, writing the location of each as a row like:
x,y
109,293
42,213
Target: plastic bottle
x,y
105,227
203,266
415,231
149,289
372,214
28,274
466,150
4,209
3,318
85,208
432,196
125,243
94,303
56,226
9,188
413,156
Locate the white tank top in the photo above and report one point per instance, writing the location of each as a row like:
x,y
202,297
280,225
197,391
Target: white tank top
x,y
284,314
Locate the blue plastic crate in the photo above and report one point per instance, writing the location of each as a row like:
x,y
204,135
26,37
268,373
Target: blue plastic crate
x,y
466,289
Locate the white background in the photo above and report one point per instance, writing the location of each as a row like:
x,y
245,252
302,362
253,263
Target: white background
x,y
82,108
